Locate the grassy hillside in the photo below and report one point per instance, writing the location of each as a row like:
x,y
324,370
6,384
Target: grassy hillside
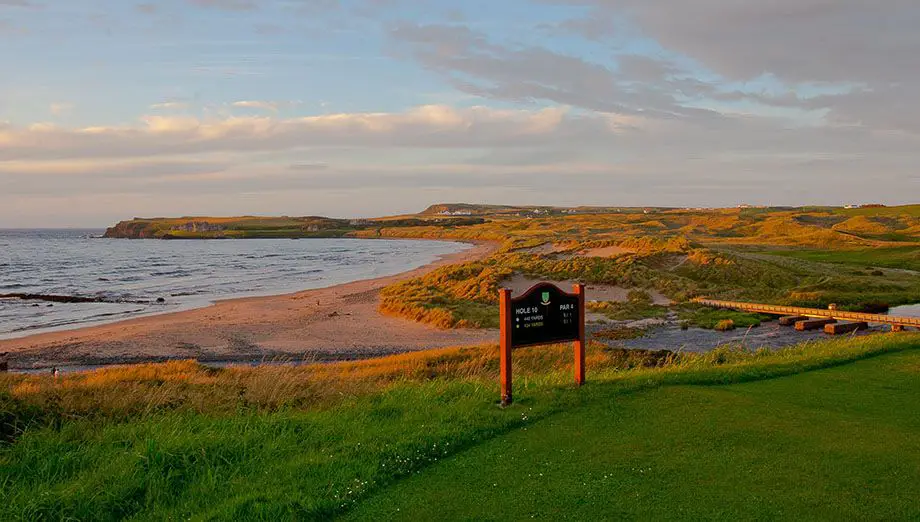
x,y
182,441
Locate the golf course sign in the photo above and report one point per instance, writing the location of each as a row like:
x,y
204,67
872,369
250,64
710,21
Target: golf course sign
x,y
544,314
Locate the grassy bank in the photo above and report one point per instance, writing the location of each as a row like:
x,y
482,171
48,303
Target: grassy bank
x,y
179,440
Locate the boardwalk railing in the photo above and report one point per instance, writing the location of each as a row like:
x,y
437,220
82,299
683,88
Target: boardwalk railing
x,y
812,312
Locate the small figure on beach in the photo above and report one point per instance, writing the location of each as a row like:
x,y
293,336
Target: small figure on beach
x,y
55,372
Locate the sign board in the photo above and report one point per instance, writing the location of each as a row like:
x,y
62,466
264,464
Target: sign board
x,y
542,315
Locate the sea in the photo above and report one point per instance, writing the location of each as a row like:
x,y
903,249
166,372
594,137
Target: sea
x,y
135,277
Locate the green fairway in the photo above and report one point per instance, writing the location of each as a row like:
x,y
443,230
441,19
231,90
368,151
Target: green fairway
x,y
898,257
835,444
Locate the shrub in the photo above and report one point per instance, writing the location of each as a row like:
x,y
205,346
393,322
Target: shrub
x,y
639,297
725,325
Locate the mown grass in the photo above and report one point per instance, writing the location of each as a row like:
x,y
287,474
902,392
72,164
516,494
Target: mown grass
x,y
837,444
178,440
897,257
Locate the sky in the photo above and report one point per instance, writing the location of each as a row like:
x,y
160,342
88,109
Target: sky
x,y
111,109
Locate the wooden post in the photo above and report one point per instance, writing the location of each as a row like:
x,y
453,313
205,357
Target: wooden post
x,y
505,350
579,290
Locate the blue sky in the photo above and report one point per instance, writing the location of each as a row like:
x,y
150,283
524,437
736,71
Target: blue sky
x,y
110,109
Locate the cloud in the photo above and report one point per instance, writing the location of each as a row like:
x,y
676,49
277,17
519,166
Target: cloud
x,y
431,126
797,40
476,65
867,51
308,166
169,106
16,3
256,104
147,8
227,5
60,109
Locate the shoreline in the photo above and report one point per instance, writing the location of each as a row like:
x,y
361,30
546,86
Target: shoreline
x,y
201,302
331,323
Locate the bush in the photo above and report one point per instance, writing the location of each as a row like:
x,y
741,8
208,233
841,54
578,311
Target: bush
x,y
639,297
725,325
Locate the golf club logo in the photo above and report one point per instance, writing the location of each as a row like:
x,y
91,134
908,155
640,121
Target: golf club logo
x,y
545,301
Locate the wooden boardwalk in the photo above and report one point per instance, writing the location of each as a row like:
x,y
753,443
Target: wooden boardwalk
x,y
897,323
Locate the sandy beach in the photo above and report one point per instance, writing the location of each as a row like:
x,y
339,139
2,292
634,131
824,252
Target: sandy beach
x,y
333,323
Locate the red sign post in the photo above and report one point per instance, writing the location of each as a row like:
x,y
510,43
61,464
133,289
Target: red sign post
x,y
542,315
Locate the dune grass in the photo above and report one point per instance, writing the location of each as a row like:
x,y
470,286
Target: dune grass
x,y
762,255
178,440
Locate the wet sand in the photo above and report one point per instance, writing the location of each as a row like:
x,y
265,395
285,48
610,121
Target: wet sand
x,y
334,323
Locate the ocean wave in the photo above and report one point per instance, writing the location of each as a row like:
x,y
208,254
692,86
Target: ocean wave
x,y
177,272
75,320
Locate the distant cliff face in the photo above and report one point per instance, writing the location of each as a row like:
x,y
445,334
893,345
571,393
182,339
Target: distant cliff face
x,y
153,229
243,227
231,227
131,230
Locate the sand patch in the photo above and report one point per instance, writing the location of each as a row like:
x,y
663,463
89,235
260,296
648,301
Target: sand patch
x,y
593,292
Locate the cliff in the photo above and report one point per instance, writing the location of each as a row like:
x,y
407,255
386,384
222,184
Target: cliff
x,y
233,227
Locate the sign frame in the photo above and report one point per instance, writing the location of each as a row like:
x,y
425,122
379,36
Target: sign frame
x,y
508,324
